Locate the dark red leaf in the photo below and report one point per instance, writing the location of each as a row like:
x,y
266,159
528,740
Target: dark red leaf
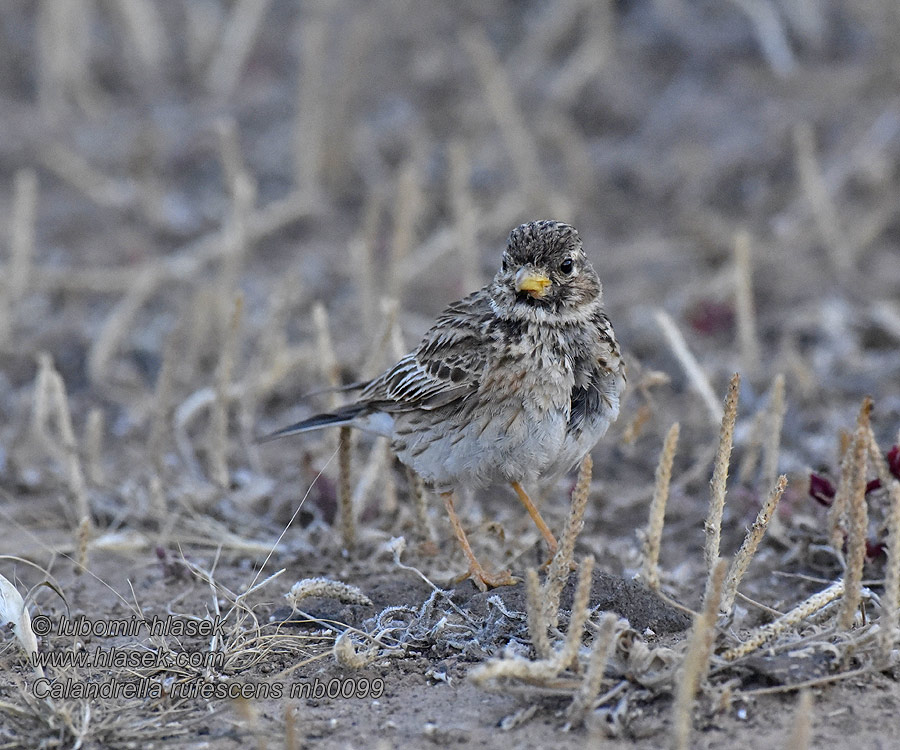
x,y
893,459
874,548
821,490
709,317
875,484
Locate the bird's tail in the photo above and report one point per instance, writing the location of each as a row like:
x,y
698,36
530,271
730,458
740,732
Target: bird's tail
x,y
342,416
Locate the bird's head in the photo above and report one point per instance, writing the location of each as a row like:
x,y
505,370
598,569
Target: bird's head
x,y
544,268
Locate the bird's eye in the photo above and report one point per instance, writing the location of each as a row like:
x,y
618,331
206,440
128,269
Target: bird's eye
x,y
567,266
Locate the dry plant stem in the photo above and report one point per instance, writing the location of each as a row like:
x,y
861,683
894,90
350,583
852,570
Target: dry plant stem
x,y
751,542
772,446
789,620
325,349
146,35
465,217
560,565
21,240
480,577
57,399
653,538
83,538
345,493
508,117
241,29
824,211
876,458
890,599
93,445
770,34
587,693
309,124
838,509
578,618
536,517
801,730
218,440
409,209
417,490
362,265
689,363
713,523
746,312
162,405
537,620
117,324
696,660
856,538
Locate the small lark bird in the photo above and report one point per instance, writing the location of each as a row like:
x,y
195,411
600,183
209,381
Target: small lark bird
x,y
518,380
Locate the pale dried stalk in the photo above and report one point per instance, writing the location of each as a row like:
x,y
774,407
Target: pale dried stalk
x,y
558,573
696,660
856,538
591,55
838,509
580,601
325,588
718,483
765,633
375,465
890,599
389,500
771,34
604,642
146,34
362,265
689,363
653,539
882,470
743,296
309,125
345,652
21,240
328,364
417,491
345,493
537,619
840,253
93,445
82,541
73,168
117,324
406,217
218,438
465,216
510,121
374,363
241,29
771,447
801,729
751,542
162,405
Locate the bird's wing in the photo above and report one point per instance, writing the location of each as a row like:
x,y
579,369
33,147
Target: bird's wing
x,y
447,366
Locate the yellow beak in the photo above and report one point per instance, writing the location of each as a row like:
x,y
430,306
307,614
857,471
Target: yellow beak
x,y
532,282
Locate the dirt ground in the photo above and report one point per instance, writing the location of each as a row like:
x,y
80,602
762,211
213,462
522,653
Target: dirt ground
x,y
212,209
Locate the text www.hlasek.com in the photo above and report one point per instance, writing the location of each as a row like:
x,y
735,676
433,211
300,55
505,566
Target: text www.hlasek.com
x,y
127,658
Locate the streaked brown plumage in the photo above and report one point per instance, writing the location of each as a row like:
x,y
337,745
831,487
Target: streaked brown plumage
x,y
518,380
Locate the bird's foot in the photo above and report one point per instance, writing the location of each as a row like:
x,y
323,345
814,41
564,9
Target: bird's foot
x,y
484,580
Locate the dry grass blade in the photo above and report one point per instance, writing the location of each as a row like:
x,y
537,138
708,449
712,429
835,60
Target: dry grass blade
x,y
241,30
345,488
890,599
653,538
859,523
689,363
558,573
21,240
771,447
696,660
802,611
604,642
580,602
718,484
14,611
744,307
800,737
751,542
537,617
218,438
